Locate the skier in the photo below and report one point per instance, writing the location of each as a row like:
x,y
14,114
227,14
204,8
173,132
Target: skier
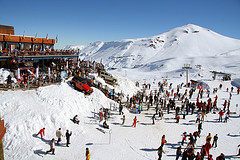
x,y
101,116
199,128
226,117
208,146
87,154
68,137
185,155
140,108
198,156
177,118
178,152
75,119
52,147
191,139
135,121
220,115
120,109
198,117
215,138
184,137
123,120
59,135
153,119
195,135
203,152
42,133
209,137
163,141
160,151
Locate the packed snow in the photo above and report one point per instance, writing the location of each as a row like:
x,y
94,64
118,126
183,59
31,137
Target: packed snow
x,y
52,107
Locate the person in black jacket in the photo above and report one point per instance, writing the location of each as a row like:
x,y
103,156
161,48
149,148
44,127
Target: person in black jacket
x,y
68,137
178,152
215,138
221,157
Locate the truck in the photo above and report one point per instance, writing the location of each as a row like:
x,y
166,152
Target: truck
x,y
80,84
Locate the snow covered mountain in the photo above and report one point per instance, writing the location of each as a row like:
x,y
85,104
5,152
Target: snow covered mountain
x,y
189,44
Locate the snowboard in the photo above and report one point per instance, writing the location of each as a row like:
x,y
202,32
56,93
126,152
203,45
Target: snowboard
x,y
101,130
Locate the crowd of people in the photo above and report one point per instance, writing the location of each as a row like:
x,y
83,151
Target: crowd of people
x,y
164,100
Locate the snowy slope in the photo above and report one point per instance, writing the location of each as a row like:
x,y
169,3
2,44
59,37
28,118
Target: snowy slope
x,y
189,44
25,112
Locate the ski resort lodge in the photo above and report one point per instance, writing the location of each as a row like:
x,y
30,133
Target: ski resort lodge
x,y
15,49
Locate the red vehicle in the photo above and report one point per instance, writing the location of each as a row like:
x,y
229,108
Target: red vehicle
x,y
79,83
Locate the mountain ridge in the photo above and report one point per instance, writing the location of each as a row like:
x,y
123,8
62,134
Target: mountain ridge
x,y
167,51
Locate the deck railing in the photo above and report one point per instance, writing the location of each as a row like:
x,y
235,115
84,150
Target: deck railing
x,y
37,53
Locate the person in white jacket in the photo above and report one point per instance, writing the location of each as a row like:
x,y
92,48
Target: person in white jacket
x,y
52,146
59,135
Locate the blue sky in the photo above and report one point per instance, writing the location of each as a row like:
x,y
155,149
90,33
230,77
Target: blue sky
x,y
79,22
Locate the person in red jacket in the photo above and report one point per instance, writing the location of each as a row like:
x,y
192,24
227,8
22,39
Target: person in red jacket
x,y
220,115
101,116
208,146
41,132
135,121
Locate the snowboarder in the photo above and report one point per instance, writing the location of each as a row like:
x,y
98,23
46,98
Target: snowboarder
x,y
87,154
178,152
41,132
68,137
59,135
135,121
215,139
75,119
123,120
52,147
105,125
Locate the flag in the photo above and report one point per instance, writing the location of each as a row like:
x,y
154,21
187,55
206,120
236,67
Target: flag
x,y
57,39
35,37
23,35
47,37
